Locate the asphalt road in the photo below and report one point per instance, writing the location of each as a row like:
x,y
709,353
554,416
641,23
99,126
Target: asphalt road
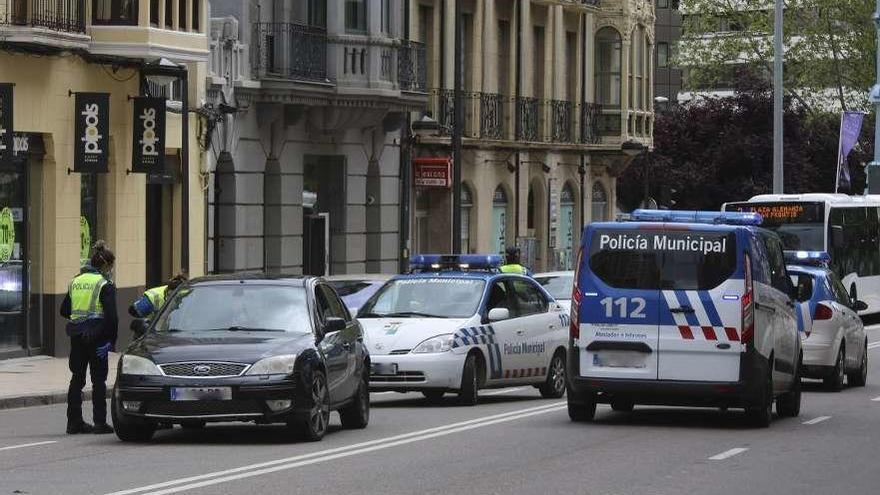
x,y
513,442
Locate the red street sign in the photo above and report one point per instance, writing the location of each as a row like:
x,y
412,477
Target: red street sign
x,y
432,172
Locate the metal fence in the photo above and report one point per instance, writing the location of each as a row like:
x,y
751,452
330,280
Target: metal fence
x,y
412,67
289,50
58,15
590,115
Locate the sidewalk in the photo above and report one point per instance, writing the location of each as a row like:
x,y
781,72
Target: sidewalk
x,y
41,380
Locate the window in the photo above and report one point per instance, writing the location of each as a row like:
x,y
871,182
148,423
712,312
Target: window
x,y
386,16
600,203
804,284
853,239
663,55
467,204
839,290
154,13
497,297
318,13
778,275
196,14
558,286
169,14
662,4
88,222
356,16
123,12
181,15
528,299
329,303
608,62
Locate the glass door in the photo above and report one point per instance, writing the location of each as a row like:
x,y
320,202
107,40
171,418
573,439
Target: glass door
x,y
13,270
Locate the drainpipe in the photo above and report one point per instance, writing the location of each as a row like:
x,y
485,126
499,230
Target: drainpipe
x,y
518,117
582,170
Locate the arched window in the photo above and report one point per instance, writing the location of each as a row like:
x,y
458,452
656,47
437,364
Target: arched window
x,y
499,220
467,203
600,203
608,62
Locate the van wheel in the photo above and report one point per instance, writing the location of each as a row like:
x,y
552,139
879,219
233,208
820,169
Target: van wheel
x,y
622,405
789,405
467,396
761,414
834,381
860,377
554,387
584,411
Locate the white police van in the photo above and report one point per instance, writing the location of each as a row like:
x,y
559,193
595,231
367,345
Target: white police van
x,y
683,308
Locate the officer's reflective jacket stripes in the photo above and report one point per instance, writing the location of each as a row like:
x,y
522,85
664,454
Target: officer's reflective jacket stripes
x,y
85,297
514,268
156,295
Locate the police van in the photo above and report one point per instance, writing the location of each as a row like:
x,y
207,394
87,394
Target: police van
x,y
683,308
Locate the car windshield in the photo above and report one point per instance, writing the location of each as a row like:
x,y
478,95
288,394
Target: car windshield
x,y
426,298
559,286
238,307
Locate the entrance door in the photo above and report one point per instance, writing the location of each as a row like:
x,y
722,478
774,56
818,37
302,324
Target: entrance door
x,y
315,244
159,263
13,269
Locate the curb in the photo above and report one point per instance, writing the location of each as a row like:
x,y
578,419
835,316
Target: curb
x,y
46,399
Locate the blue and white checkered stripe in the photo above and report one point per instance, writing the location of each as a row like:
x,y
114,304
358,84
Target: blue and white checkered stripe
x,y
481,335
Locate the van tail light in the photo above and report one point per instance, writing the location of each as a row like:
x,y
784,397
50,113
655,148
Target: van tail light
x,y
823,312
574,326
748,303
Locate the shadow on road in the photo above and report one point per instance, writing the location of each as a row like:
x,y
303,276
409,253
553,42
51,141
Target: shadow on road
x,y
710,419
233,434
450,400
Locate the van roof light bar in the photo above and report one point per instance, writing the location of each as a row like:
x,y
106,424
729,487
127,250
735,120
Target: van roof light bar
x,y
690,216
808,258
455,262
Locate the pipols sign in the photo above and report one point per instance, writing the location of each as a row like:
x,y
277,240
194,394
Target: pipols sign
x,y
432,172
91,132
6,141
148,139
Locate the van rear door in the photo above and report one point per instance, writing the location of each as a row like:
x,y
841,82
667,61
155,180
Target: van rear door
x,y
620,303
701,310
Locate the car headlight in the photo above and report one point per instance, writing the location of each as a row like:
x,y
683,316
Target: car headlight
x,y
136,365
275,365
440,343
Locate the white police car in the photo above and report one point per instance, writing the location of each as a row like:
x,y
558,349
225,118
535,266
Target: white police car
x,y
456,324
833,337
685,309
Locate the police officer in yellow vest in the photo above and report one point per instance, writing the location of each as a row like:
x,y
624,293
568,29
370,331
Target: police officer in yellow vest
x,y
90,307
153,299
513,265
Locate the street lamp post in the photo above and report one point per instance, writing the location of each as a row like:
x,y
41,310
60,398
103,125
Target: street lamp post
x,y
777,99
873,170
457,129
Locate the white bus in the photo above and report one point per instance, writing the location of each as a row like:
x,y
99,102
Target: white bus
x,y
847,227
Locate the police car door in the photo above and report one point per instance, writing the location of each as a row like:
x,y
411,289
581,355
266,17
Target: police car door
x,y
501,361
700,309
619,285
534,339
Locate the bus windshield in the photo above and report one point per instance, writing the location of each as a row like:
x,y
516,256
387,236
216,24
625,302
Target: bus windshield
x,y
800,225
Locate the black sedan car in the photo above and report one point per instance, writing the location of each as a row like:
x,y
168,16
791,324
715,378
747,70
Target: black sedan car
x,y
261,349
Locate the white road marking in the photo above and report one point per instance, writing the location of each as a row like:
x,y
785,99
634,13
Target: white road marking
x,y
504,391
24,445
817,420
335,453
875,399
382,393
728,454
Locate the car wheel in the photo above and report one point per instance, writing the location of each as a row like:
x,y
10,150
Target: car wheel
x,y
313,424
433,395
130,429
761,414
554,387
835,379
467,396
789,405
859,377
583,410
622,405
356,415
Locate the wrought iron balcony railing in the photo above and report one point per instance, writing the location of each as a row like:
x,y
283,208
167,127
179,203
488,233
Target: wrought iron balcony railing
x,y
590,115
58,15
528,108
492,116
562,119
412,67
289,51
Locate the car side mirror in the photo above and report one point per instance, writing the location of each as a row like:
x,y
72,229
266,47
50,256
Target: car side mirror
x,y
333,325
860,305
837,237
499,314
139,327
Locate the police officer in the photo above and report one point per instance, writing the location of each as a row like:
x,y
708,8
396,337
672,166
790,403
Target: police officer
x,y
513,265
90,307
153,299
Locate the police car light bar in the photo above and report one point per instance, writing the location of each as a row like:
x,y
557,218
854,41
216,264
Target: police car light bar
x,y
437,262
807,258
684,216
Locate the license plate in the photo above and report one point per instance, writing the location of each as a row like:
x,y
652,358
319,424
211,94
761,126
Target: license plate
x,y
201,393
384,369
619,359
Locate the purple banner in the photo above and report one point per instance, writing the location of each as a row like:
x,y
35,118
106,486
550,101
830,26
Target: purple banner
x,y
850,128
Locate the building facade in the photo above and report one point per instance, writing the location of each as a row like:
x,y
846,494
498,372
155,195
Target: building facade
x,y
311,99
51,212
667,75
555,93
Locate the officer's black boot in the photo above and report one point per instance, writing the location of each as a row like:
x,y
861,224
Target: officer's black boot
x,y
81,427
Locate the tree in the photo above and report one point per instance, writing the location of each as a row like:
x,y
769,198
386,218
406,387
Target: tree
x,y
829,60
716,150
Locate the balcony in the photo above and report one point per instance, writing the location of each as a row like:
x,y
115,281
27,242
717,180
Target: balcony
x,y
58,23
562,120
590,115
412,67
529,115
289,51
492,122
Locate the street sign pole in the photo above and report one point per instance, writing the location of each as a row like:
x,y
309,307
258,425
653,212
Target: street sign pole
x,y
457,130
777,98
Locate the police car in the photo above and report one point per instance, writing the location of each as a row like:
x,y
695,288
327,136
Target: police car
x,y
455,324
686,309
833,337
